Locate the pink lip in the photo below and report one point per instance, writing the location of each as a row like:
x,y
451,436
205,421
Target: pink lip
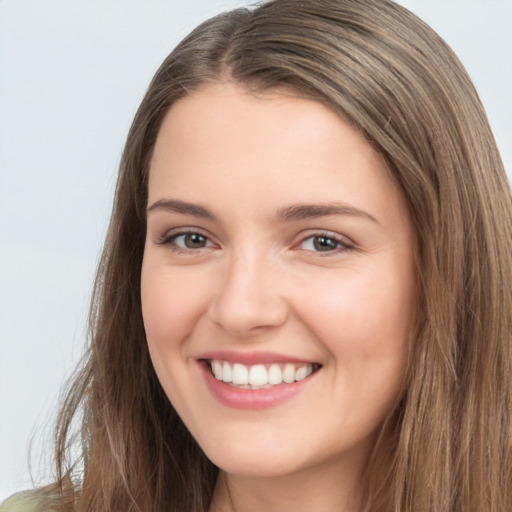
x,y
251,399
251,358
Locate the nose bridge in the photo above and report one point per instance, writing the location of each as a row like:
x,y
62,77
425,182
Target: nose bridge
x,y
249,297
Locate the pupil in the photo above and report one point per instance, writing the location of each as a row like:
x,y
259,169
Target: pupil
x,y
323,243
194,240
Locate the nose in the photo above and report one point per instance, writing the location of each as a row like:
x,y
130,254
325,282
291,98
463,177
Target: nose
x,y
250,298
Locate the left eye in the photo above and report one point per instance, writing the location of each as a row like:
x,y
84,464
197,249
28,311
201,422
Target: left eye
x,y
322,243
190,241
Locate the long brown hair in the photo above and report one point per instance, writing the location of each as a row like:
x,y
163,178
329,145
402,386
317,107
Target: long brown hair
x,y
447,445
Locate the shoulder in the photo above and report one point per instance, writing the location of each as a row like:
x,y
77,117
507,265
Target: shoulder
x,y
21,502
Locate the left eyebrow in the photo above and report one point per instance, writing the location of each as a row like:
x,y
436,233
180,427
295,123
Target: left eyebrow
x,y
311,211
181,207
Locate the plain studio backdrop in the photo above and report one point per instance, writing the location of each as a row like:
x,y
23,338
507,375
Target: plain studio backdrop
x,y
71,76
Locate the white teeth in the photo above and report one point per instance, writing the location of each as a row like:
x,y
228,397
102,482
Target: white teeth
x,y
259,375
303,372
289,373
227,372
217,369
240,374
275,376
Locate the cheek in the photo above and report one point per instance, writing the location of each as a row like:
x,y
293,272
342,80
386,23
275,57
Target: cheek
x,y
365,319
170,307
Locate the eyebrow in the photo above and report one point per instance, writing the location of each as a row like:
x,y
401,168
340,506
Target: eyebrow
x,y
182,207
311,211
286,214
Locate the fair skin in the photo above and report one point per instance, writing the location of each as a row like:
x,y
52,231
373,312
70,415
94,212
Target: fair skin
x,y
276,237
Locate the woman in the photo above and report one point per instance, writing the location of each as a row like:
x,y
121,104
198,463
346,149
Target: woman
x,y
304,298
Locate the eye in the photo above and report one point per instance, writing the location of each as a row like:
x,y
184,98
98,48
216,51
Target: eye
x,y
186,241
191,241
324,243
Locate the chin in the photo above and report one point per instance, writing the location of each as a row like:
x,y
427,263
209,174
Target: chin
x,y
254,459
258,466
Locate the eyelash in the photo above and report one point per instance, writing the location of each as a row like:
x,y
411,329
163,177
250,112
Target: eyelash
x,y
341,244
170,240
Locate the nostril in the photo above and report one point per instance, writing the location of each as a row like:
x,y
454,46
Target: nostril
x,y
246,302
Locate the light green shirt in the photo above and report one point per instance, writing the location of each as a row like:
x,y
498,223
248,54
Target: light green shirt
x,y
20,502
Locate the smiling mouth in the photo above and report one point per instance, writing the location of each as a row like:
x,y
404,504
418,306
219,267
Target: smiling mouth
x,y
260,376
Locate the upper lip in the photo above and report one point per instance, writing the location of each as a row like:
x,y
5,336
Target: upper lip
x,y
251,358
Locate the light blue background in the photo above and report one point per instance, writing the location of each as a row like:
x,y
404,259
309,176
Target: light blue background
x,y
71,76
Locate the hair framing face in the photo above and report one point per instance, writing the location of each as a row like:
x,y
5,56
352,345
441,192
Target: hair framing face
x,y
446,446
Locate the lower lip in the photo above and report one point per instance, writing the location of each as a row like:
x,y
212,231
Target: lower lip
x,y
253,399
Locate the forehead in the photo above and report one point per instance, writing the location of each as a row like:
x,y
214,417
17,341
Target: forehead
x,y
217,114
276,145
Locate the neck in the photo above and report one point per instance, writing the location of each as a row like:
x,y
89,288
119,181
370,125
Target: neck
x,y
312,490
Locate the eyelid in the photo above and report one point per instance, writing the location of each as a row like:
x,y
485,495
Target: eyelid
x,y
345,243
169,236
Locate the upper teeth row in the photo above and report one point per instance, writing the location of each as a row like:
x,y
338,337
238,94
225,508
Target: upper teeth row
x,y
259,375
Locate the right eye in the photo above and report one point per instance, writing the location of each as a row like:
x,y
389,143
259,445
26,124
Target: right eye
x,y
186,241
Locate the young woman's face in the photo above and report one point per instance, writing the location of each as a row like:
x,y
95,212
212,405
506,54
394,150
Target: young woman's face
x,y
278,281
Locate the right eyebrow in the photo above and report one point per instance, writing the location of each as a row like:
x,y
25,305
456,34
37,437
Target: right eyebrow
x,y
311,211
182,207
